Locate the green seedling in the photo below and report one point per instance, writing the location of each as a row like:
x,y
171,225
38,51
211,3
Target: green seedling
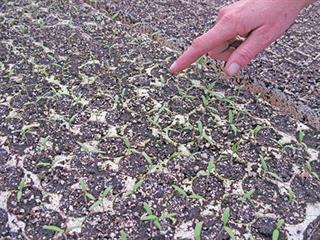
x,y
147,158
135,187
53,228
235,147
126,142
226,216
44,143
183,193
201,60
202,132
88,148
256,130
22,185
301,135
114,16
180,191
309,167
205,101
85,190
276,231
265,168
123,235
232,126
264,165
225,219
197,231
149,216
166,215
103,195
291,195
247,195
210,167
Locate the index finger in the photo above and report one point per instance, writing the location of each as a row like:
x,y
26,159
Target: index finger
x,y
221,32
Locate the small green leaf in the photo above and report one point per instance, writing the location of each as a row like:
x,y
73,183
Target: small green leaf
x,y
114,16
230,117
235,147
200,127
279,224
147,208
256,130
157,224
96,204
196,196
275,234
149,218
90,196
230,232
106,192
309,167
123,235
53,228
205,101
180,190
147,158
264,164
234,129
301,135
126,142
274,175
247,195
291,195
210,167
226,216
197,231
83,186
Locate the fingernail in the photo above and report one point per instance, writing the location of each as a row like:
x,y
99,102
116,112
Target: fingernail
x,y
173,67
233,69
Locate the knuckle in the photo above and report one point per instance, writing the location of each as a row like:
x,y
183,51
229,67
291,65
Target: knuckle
x,y
228,17
245,56
222,12
197,43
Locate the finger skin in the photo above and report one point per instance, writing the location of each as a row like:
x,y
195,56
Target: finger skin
x,y
203,44
257,41
223,56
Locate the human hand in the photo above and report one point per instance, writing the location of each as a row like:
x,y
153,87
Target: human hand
x,y
259,22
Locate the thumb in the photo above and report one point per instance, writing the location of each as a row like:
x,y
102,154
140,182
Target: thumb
x,y
257,41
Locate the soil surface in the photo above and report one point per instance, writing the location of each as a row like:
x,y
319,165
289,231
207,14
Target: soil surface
x,y
286,74
99,141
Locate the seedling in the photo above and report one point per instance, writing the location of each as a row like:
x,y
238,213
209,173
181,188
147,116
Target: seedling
x,y
103,195
265,168
291,195
135,187
301,135
197,231
264,165
235,147
180,191
44,143
210,167
123,235
225,220
232,126
149,216
202,132
114,16
183,193
310,170
201,60
22,184
247,195
88,148
53,228
126,142
276,231
85,190
147,158
205,101
256,130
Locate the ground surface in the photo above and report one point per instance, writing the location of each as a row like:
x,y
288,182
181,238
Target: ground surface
x,y
287,74
98,140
